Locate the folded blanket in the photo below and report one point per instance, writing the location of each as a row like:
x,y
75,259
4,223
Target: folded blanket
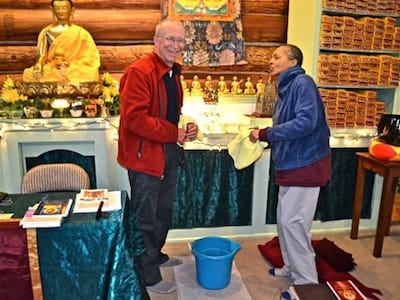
x,y
337,258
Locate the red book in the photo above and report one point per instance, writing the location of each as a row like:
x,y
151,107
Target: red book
x,y
345,290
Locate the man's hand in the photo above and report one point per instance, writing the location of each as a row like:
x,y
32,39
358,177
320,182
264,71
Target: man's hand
x,y
181,136
191,131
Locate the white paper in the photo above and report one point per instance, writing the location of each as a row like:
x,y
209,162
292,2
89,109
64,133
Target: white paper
x,y
87,206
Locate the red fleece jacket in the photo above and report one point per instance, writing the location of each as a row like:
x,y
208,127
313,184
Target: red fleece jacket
x,y
143,128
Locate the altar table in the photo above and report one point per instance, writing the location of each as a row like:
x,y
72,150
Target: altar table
x,y
85,258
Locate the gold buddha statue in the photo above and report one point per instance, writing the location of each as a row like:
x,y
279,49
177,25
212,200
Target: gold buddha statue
x,y
67,52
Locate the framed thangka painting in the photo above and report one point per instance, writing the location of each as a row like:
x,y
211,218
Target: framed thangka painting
x,y
213,31
201,10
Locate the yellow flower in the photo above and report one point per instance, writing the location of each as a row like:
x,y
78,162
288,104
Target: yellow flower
x,y
110,90
107,94
114,91
9,83
10,95
108,80
9,92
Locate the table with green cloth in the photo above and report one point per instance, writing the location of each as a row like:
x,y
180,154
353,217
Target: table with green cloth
x,y
85,258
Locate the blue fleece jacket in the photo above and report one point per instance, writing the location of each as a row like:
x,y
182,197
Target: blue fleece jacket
x,y
299,135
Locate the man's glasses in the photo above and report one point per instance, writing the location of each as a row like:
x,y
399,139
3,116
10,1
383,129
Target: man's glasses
x,y
172,40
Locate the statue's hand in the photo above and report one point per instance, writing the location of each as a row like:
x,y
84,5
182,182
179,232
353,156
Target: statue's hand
x,y
37,71
38,68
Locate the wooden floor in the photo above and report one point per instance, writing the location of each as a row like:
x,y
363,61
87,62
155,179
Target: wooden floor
x,y
380,273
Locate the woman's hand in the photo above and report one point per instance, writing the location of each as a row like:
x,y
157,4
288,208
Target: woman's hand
x,y
254,135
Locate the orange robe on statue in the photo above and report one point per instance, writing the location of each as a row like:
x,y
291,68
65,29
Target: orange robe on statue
x,y
79,55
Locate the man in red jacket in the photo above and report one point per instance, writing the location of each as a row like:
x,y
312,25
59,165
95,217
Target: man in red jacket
x,y
152,99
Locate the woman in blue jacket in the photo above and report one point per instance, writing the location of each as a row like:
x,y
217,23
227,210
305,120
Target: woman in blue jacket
x,y
299,142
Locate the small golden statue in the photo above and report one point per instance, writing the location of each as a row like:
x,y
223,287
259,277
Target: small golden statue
x,y
208,84
185,89
249,87
235,86
260,86
196,87
222,86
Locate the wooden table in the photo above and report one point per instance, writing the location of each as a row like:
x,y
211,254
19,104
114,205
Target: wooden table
x,y
390,171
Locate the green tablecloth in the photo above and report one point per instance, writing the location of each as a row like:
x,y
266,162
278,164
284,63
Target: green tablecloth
x,y
87,258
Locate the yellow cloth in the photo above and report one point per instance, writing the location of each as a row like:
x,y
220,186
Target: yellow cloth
x,y
243,151
184,120
79,51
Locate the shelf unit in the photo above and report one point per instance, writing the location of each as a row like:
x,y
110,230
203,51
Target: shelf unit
x,y
304,30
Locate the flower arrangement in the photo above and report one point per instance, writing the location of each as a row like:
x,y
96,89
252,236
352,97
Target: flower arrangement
x,y
107,100
110,93
10,98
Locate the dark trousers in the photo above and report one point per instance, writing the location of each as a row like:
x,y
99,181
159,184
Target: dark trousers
x,y
152,200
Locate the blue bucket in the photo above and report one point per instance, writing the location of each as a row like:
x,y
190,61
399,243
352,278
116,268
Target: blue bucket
x,y
214,256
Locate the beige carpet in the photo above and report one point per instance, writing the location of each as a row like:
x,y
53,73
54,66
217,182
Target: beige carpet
x,y
188,287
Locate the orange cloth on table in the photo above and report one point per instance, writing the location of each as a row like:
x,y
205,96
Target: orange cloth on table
x,y
383,150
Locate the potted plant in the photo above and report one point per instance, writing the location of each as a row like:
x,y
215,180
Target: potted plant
x,y
77,106
43,105
29,108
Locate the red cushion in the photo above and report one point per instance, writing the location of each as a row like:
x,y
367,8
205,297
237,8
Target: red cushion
x,y
384,151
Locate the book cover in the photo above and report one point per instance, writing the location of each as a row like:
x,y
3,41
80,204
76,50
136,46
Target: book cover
x,y
345,290
93,194
312,292
53,208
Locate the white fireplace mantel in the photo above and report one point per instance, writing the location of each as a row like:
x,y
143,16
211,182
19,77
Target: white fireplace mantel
x,y
21,138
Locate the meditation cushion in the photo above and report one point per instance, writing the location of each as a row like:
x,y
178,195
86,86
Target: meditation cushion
x,y
383,150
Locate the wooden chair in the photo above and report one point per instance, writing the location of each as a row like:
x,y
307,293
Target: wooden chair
x,y
55,177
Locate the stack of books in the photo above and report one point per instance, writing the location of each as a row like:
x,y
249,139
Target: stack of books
x,y
48,213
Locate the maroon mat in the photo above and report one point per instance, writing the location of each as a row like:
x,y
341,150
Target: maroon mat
x,y
333,263
15,278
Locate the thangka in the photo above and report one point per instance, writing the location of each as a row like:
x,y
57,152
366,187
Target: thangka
x,y
213,31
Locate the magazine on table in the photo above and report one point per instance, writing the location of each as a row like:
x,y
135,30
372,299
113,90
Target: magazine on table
x,y
88,201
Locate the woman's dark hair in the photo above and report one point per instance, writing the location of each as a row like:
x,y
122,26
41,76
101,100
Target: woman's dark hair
x,y
70,2
295,53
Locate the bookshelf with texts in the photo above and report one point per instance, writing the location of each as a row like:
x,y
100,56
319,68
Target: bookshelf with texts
x,y
354,57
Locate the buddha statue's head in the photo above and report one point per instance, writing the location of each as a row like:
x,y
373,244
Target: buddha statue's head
x,y
63,10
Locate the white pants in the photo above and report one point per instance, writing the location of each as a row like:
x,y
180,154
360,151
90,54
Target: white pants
x,y
295,214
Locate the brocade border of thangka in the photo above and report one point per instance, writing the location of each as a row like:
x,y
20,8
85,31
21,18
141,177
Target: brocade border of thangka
x,y
201,10
34,264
